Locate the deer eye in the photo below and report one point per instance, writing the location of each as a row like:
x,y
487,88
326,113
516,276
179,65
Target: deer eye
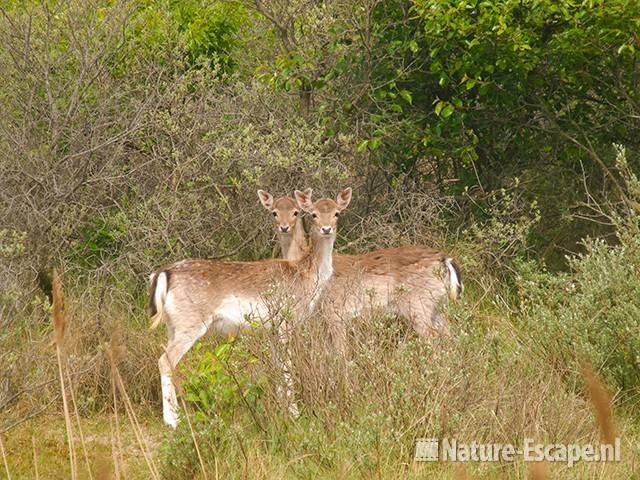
x,y
314,215
337,214
295,214
275,214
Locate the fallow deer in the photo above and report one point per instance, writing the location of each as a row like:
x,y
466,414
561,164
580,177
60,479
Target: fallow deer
x,y
288,223
194,297
413,281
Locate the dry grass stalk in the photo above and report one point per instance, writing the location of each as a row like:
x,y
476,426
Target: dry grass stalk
x,y
602,404
67,417
115,450
4,459
35,459
80,433
59,319
193,437
133,419
116,440
59,330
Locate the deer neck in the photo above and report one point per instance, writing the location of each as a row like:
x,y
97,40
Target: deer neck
x,y
321,256
294,246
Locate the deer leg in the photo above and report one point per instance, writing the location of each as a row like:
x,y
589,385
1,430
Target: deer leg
x,y
286,365
169,399
167,363
338,332
287,391
413,309
425,315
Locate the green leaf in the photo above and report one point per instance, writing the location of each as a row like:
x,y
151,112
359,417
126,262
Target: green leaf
x,y
222,349
406,95
447,111
375,143
362,145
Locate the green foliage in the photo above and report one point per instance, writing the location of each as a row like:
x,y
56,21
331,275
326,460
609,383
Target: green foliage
x,y
177,453
206,32
100,241
12,243
209,30
504,228
589,317
502,55
215,385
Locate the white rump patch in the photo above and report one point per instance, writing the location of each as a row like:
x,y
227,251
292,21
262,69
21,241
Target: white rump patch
x,y
235,314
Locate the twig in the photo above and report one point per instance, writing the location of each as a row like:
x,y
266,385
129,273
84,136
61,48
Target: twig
x,y
238,248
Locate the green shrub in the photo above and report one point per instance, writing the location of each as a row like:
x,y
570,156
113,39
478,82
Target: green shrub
x,y
591,316
214,383
206,33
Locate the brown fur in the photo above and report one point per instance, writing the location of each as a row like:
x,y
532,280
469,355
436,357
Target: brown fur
x,y
408,281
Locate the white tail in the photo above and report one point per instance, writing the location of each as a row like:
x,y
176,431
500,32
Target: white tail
x,y
413,281
157,297
454,279
193,297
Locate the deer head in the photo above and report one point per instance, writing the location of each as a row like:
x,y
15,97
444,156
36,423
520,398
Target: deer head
x,y
287,221
285,211
324,212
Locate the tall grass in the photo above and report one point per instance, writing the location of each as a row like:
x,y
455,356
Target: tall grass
x,y
59,330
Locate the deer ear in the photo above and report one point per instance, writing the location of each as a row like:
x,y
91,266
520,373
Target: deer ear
x,y
266,199
344,197
304,199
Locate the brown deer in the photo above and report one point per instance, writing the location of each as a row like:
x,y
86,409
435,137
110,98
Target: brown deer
x,y
193,297
413,281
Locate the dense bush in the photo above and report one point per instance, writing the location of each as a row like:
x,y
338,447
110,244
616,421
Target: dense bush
x,y
591,316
